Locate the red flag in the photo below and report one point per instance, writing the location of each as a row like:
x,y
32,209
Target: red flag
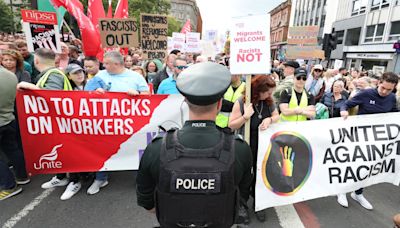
x,y
122,9
109,13
90,35
95,11
187,27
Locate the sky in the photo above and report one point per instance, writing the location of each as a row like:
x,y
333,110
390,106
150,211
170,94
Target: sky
x,y
216,14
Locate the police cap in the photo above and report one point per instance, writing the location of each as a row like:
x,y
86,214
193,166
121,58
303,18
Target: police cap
x,y
204,83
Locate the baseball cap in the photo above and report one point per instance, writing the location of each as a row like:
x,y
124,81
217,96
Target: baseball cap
x,y
300,72
73,68
293,64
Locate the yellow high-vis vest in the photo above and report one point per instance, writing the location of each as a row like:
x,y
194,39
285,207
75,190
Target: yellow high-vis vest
x,y
222,119
293,103
42,81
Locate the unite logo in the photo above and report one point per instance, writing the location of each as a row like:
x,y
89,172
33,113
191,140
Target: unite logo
x,y
48,161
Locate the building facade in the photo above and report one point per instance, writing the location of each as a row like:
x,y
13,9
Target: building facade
x,y
280,17
366,31
187,9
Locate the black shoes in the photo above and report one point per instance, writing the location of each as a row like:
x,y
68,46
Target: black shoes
x,y
261,216
243,216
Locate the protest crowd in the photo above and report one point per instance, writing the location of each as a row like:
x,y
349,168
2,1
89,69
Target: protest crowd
x,y
290,93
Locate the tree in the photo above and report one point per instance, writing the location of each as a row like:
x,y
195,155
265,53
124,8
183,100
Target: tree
x,y
173,25
6,22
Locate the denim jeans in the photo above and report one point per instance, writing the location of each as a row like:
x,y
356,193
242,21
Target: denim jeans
x,y
7,180
9,145
101,176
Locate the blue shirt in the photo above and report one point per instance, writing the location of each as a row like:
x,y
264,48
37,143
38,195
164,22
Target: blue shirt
x,y
168,86
370,102
118,82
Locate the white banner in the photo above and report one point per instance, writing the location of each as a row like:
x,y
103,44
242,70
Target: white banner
x,y
313,159
210,35
178,40
193,44
250,45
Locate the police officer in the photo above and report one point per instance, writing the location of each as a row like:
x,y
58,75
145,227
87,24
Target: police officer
x,y
196,176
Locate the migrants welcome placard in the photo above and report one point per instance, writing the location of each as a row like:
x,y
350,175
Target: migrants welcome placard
x,y
119,32
250,45
154,35
41,30
86,131
302,161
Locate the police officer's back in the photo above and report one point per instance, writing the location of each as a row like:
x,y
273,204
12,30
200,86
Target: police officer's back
x,y
192,177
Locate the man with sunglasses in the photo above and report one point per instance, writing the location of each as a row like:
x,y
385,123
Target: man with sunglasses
x,y
287,82
315,84
168,85
295,103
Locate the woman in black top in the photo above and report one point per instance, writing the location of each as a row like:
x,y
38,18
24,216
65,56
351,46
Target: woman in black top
x,y
261,112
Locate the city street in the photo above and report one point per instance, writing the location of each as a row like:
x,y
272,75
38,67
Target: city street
x,y
115,206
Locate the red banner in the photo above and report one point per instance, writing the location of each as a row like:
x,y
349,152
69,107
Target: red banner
x,y
38,17
79,131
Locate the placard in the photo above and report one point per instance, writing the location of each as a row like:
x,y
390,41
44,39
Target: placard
x,y
250,45
154,38
119,32
41,30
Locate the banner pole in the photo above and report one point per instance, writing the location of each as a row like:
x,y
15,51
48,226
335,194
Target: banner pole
x,y
248,99
69,29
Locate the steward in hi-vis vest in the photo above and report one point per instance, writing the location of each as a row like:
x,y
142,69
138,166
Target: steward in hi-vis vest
x,y
295,103
196,176
234,92
42,81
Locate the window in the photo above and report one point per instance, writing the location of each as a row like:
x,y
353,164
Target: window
x,y
359,7
398,3
374,33
395,31
379,4
340,36
353,37
322,21
319,3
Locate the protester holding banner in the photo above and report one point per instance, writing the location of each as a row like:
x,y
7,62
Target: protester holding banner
x,y
205,155
334,100
115,78
167,72
76,76
13,61
168,85
50,77
8,138
261,112
295,103
371,101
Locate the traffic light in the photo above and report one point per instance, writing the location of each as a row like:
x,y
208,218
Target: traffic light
x,y
332,41
329,44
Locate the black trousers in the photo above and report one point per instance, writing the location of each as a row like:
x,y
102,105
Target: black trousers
x,y
9,146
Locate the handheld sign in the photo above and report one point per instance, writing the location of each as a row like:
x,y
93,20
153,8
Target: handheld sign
x,y
154,37
119,32
250,45
41,30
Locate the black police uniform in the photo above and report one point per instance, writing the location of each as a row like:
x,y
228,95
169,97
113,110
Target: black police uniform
x,y
201,84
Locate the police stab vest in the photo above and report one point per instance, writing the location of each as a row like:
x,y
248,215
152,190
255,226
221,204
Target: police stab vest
x,y
196,187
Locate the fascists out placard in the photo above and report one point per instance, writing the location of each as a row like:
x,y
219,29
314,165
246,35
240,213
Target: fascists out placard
x,y
83,131
41,30
302,161
154,37
119,32
250,45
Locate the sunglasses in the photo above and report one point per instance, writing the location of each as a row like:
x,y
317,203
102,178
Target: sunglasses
x,y
181,67
318,70
302,77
